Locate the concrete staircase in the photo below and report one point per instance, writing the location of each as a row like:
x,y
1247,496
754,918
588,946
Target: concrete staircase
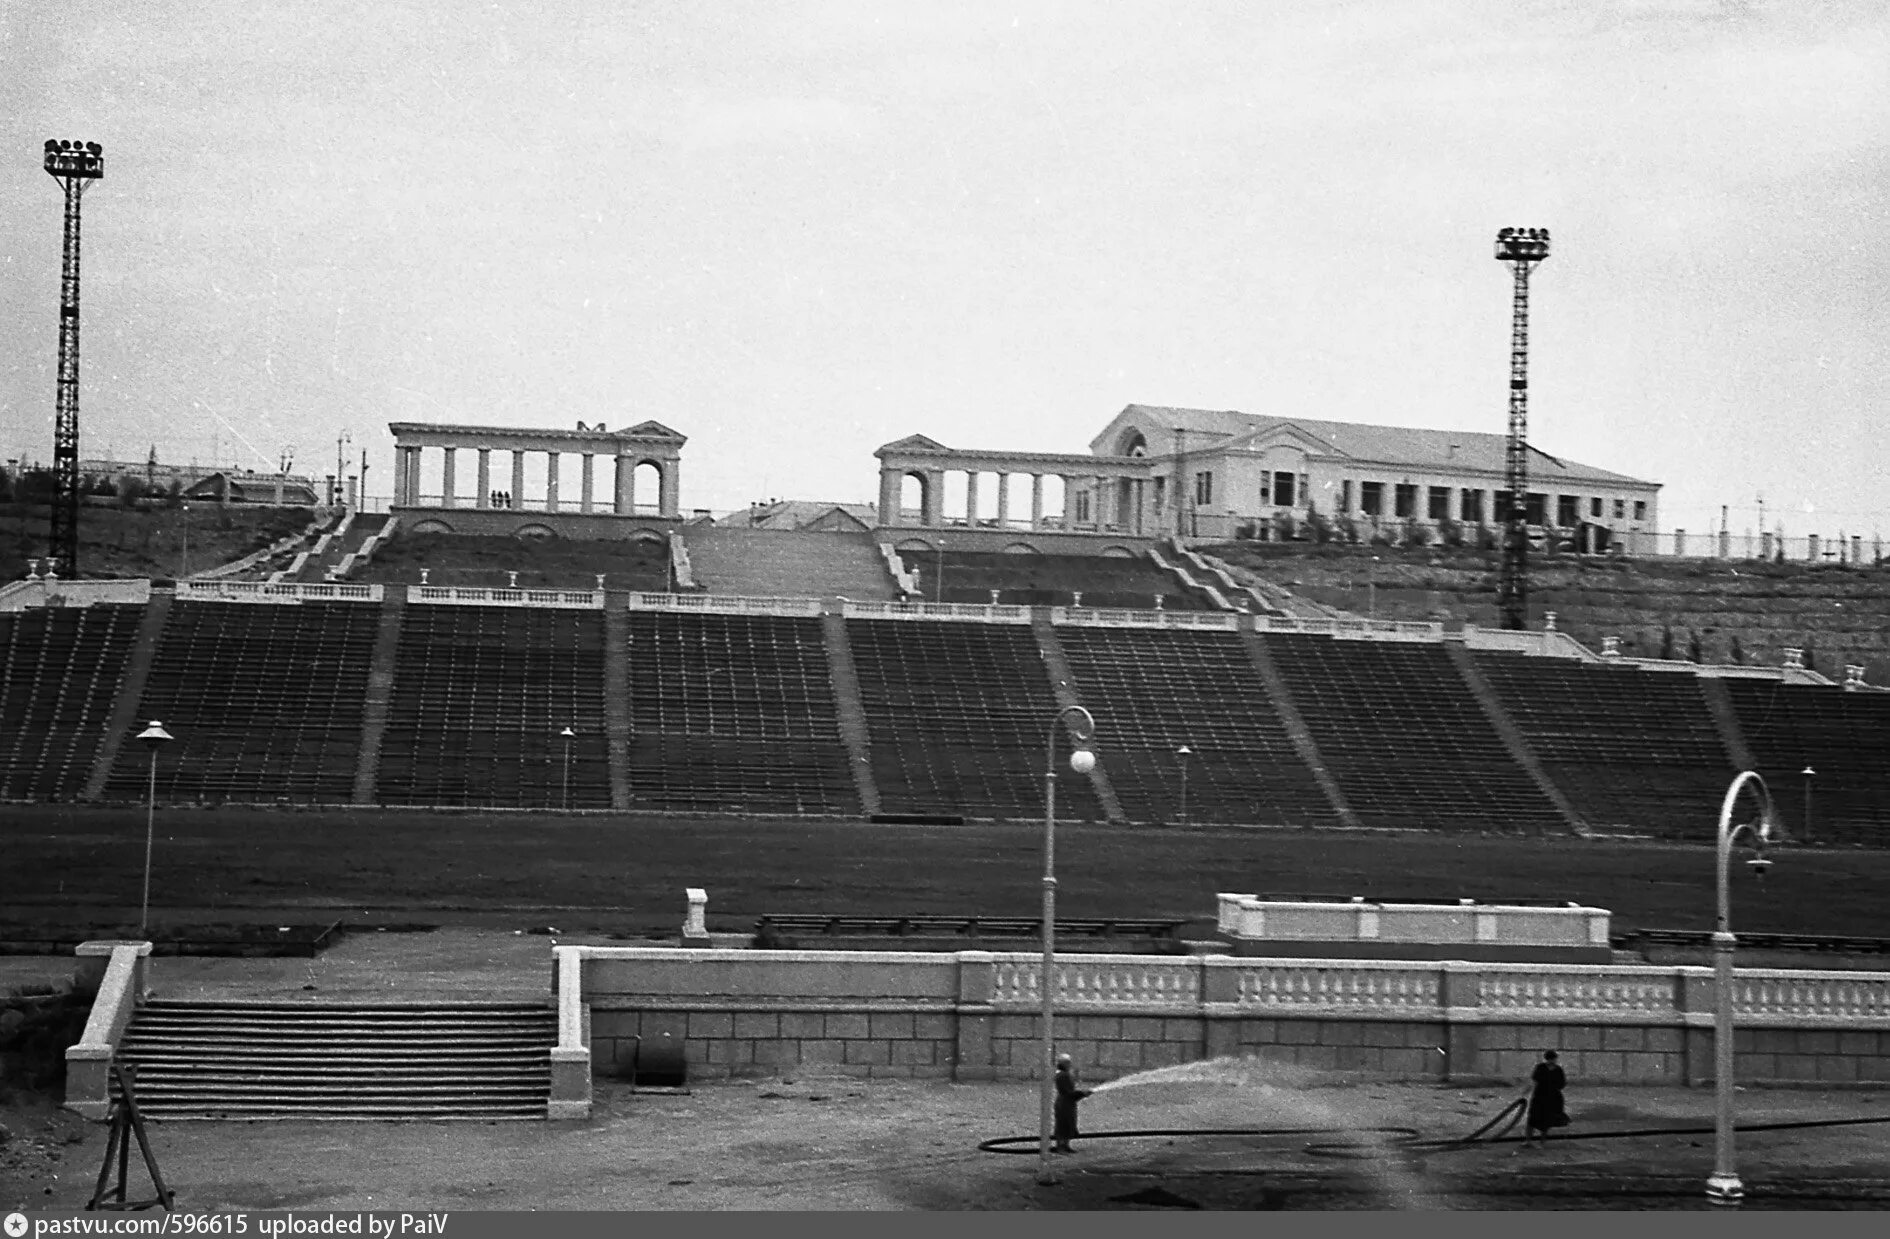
x,y
268,1060
123,720
777,563
848,711
1063,683
380,691
1512,736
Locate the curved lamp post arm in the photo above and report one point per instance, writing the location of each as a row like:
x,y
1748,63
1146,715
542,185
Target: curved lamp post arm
x,y
1723,1186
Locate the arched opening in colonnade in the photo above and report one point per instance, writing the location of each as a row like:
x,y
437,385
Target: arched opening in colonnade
x,y
646,488
912,506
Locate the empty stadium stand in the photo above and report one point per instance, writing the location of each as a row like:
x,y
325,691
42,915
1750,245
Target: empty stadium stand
x,y
264,701
1844,737
60,669
1048,580
480,697
957,714
734,713
1154,691
466,562
1634,751
1404,738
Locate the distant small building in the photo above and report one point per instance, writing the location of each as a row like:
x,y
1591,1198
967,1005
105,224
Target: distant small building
x,y
255,488
814,515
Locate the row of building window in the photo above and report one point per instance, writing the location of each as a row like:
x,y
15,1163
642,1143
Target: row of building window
x,y
1282,489
1470,508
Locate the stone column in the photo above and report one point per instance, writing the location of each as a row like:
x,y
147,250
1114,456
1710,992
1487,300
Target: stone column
x,y
485,478
584,497
551,481
890,484
935,497
1004,500
518,477
413,476
1069,501
670,489
1036,501
626,472
400,476
446,478
971,498
1102,503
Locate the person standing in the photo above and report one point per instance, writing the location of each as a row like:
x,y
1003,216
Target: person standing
x,y
1067,1097
1546,1109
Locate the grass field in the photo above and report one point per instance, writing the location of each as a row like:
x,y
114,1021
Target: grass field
x,y
84,864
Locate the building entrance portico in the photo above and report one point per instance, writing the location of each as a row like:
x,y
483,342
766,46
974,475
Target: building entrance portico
x,y
484,499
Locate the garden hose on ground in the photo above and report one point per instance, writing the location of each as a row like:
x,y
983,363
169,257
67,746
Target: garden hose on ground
x,y
1368,1142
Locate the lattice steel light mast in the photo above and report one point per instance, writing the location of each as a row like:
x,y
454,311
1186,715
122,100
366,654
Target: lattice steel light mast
x,y
1522,249
75,165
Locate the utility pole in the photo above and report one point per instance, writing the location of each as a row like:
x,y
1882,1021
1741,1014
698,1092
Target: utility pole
x,y
341,447
75,165
1523,249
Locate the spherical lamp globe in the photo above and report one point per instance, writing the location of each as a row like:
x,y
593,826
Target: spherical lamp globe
x,y
1082,761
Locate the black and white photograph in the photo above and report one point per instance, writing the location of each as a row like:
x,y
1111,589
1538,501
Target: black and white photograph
x,y
1105,606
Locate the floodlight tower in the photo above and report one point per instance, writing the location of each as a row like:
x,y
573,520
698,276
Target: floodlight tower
x,y
75,165
1522,249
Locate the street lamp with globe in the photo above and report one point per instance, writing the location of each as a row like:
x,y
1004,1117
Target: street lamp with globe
x,y
1082,761
153,737
567,733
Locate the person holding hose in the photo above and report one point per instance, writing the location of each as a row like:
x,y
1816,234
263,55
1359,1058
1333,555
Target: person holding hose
x,y
1546,1110
1067,1097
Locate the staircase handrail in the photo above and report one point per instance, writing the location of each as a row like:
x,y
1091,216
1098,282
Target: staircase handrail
x,y
1187,579
278,547
907,583
365,552
120,990
680,570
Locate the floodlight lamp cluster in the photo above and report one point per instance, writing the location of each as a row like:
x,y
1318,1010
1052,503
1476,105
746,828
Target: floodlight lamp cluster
x,y
69,159
1522,244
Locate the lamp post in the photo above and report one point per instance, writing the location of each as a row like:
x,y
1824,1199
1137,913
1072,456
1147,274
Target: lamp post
x,y
1805,834
1184,752
184,575
153,737
1082,761
938,583
567,733
1723,1186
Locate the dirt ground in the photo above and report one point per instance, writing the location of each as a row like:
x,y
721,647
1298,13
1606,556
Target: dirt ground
x,y
805,1142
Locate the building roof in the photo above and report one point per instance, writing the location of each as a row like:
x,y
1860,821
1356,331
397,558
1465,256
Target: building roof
x,y
1401,445
800,513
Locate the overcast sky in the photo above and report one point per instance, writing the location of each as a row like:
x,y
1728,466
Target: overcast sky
x,y
796,231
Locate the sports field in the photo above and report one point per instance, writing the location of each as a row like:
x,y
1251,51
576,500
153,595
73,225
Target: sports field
x,y
627,872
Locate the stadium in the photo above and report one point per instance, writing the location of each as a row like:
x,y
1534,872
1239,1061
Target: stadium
x,y
1342,752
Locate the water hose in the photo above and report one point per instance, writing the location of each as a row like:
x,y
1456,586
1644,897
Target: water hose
x,y
1370,1142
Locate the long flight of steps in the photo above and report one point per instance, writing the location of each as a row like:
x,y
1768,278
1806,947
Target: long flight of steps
x,y
730,559
267,1060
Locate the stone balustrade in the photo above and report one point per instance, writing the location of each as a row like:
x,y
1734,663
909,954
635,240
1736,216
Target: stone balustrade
x,y
974,1015
280,592
446,595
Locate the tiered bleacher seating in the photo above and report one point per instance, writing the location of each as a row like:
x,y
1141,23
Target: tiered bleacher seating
x,y
1407,741
264,701
1844,737
480,698
1634,751
468,562
1047,580
1152,692
734,713
60,669
957,715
